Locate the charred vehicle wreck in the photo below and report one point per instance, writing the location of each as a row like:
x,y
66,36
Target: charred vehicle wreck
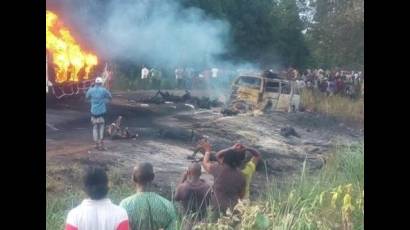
x,y
262,91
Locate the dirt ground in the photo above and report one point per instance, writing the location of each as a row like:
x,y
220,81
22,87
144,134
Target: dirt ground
x,y
165,139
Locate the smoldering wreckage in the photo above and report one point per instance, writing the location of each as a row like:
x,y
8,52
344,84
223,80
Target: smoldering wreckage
x,y
233,107
260,111
244,99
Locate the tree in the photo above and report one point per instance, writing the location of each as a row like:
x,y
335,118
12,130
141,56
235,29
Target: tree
x,y
337,34
292,43
262,31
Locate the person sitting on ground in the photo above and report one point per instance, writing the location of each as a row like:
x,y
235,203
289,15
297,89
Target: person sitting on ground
x,y
146,209
194,193
97,211
115,131
229,183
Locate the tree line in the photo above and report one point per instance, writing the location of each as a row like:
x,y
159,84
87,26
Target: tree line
x,y
273,31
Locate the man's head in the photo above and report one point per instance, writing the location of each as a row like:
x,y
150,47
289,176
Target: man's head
x,y
95,183
98,81
194,171
234,158
143,174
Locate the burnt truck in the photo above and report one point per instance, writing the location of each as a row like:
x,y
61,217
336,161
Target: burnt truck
x,y
58,90
259,91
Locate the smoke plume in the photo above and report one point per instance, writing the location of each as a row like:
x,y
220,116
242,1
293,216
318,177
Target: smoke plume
x,y
159,32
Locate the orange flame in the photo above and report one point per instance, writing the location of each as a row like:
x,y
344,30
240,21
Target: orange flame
x,y
68,57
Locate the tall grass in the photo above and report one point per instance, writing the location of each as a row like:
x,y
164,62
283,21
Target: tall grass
x,y
57,207
331,198
335,105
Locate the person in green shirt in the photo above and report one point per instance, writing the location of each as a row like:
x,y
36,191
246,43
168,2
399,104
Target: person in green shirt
x,y
146,209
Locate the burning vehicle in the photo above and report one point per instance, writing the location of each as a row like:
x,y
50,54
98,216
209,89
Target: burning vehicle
x,y
260,91
70,70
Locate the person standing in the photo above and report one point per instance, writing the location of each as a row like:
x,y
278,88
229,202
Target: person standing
x,y
96,212
155,79
144,72
249,167
179,77
144,77
189,74
214,78
147,209
99,97
229,182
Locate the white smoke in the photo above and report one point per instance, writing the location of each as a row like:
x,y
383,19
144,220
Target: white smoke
x,y
161,32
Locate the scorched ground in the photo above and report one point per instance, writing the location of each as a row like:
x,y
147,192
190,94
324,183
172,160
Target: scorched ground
x,y
164,139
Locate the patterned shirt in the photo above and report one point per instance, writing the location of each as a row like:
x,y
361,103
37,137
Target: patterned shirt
x,y
148,210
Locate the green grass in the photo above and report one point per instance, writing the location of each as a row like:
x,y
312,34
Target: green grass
x,y
336,106
318,200
309,200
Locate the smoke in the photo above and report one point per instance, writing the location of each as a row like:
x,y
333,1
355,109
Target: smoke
x,y
157,32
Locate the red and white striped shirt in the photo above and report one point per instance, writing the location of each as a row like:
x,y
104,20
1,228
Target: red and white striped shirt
x,y
97,215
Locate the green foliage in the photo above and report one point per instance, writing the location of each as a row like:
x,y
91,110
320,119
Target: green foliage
x,y
269,32
262,31
337,37
330,199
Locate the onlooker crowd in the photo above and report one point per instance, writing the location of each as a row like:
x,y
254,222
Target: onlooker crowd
x,y
331,82
232,171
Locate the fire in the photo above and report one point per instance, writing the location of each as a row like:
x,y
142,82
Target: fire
x,y
67,56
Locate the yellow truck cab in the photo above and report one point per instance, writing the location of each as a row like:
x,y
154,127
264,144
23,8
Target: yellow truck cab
x,y
260,92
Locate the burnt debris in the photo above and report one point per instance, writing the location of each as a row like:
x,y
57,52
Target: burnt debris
x,y
115,131
229,112
163,97
289,131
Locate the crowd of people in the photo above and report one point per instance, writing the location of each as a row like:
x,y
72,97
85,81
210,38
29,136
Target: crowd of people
x,y
331,82
335,81
232,173
232,169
